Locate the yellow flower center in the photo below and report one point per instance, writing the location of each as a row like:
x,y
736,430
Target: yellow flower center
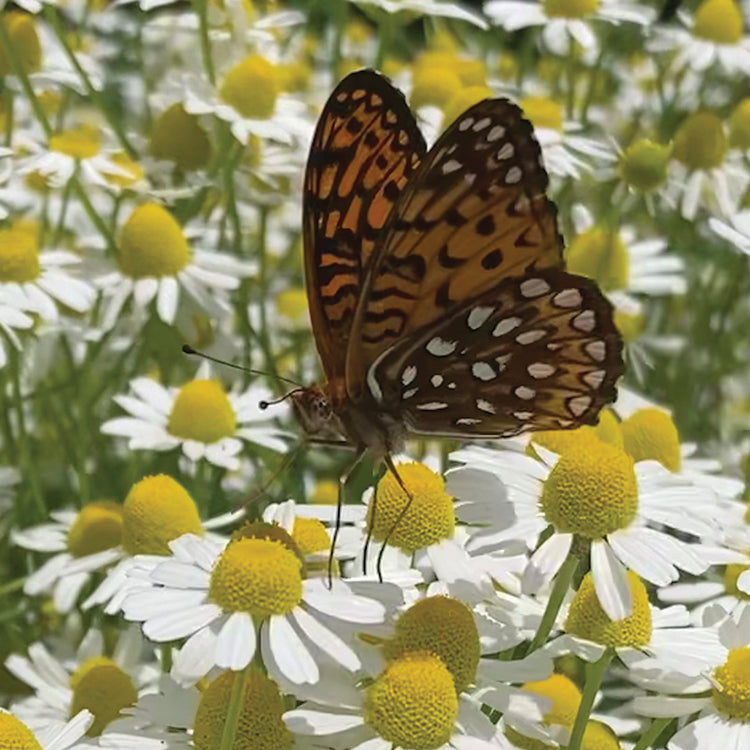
x,y
443,627
152,243
104,689
128,171
179,137
569,8
643,165
413,702
80,143
630,325
259,725
732,696
292,303
462,100
294,76
436,86
429,518
587,619
542,112
565,697
260,576
251,87
739,125
202,412
700,142
156,511
602,256
98,526
24,42
718,21
651,434
591,493
19,252
325,492
564,441
310,535
598,736
731,574
14,735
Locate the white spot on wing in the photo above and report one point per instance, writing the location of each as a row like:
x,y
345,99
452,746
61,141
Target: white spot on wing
x,y
585,321
478,317
481,124
465,124
372,381
568,298
540,370
523,415
483,371
432,406
531,288
506,152
506,325
450,166
513,176
578,405
496,133
440,347
594,378
409,393
525,393
408,375
468,421
597,350
484,405
529,337
452,386
502,361
436,380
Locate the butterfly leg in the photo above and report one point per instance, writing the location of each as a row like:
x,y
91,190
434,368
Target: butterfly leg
x,y
343,479
392,468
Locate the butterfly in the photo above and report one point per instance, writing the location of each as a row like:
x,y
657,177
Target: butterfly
x,y
436,284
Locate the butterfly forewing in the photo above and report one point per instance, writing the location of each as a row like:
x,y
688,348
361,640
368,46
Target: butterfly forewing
x,y
536,352
474,213
365,149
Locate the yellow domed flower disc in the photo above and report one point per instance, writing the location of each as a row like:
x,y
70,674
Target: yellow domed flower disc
x,y
178,137
435,86
15,735
600,255
542,112
462,100
739,125
598,736
643,165
587,619
429,518
80,143
591,493
444,627
202,412
152,244
98,526
325,492
718,21
731,693
19,253
563,441
251,87
651,434
310,536
569,8
156,511
700,142
413,702
259,725
102,687
260,576
731,573
24,42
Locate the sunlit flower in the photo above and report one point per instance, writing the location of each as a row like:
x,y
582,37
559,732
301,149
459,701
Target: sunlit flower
x,y
52,736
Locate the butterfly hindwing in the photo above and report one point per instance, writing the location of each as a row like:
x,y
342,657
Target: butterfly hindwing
x,y
536,352
474,213
365,148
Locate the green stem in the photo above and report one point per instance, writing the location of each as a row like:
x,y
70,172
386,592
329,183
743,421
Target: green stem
x,y
11,586
594,674
166,657
233,710
54,19
200,8
562,583
652,733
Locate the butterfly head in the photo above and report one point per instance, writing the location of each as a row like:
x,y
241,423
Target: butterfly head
x,y
314,410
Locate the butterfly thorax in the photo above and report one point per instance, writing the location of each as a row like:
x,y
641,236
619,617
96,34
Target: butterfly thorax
x,y
326,411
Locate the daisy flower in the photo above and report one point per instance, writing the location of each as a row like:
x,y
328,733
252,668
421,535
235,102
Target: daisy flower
x,y
104,685
713,705
736,231
36,281
713,35
248,596
200,418
157,264
104,536
567,21
620,514
53,736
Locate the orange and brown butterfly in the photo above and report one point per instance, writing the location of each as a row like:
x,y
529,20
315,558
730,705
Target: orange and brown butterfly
x,y
436,283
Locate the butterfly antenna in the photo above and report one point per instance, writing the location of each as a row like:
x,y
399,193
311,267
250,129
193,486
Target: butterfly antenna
x,y
392,468
263,404
289,459
187,349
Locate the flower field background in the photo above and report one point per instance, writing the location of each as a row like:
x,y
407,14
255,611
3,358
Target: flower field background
x,y
167,573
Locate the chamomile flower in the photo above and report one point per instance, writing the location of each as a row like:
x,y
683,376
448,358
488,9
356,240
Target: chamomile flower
x,y
641,173
246,597
53,736
619,515
714,704
38,281
567,22
158,264
92,680
200,418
